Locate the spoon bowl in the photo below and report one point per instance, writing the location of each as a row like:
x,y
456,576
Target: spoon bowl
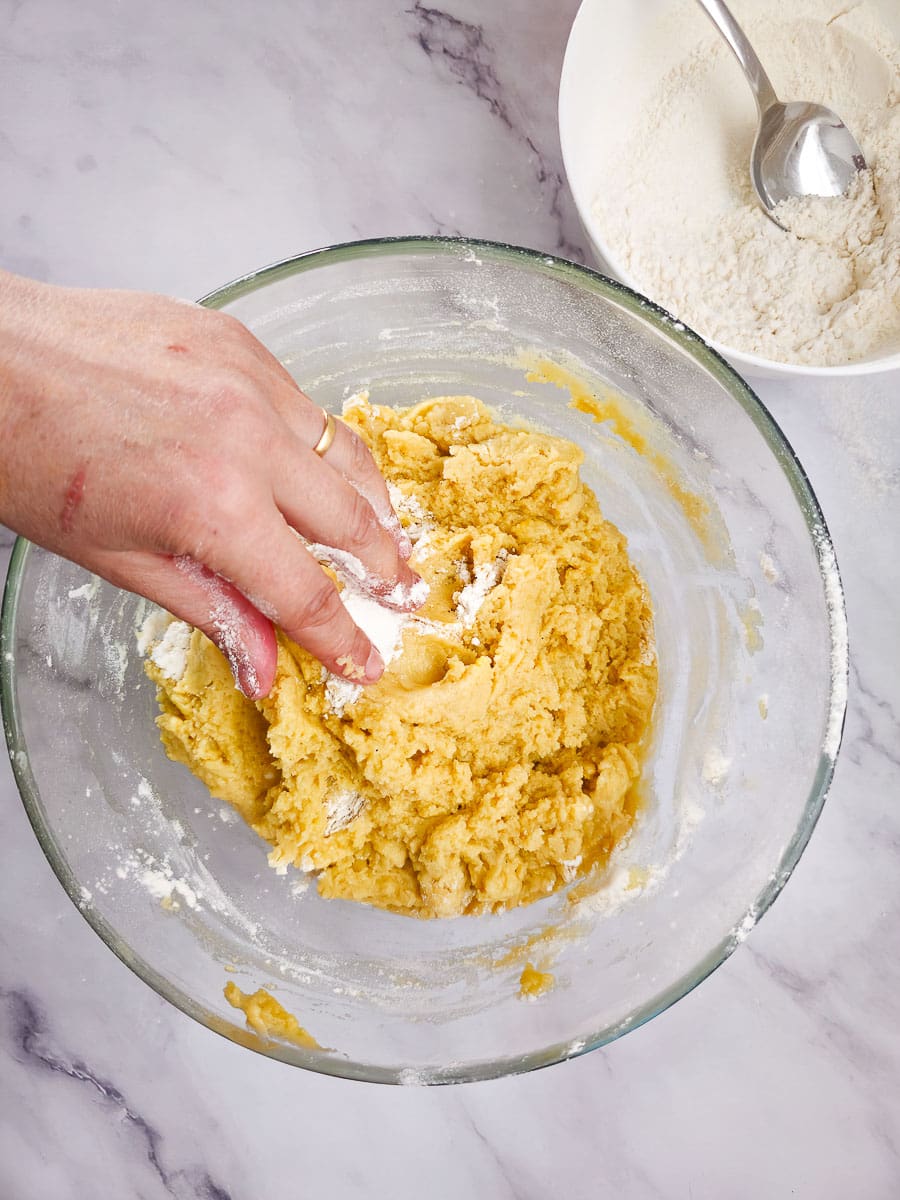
x,y
801,149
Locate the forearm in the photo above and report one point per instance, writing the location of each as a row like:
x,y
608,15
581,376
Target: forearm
x,y
17,302
27,395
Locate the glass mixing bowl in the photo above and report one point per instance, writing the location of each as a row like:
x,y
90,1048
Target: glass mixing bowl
x,y
751,637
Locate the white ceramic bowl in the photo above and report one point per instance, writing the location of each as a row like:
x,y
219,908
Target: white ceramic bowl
x,y
613,62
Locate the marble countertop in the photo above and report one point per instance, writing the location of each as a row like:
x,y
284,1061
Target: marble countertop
x,y
172,147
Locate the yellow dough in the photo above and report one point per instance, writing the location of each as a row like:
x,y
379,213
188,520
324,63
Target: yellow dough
x,y
268,1018
493,762
533,983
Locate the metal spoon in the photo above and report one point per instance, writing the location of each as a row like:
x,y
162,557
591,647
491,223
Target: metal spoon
x,y
800,149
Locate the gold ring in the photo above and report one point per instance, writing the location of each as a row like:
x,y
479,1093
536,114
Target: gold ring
x,y
323,445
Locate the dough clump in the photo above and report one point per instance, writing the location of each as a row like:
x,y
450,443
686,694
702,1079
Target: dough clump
x,y
497,758
266,1017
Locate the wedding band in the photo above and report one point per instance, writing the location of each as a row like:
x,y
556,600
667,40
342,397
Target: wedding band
x,y
323,445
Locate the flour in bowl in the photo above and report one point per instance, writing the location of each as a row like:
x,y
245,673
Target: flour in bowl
x,y
678,209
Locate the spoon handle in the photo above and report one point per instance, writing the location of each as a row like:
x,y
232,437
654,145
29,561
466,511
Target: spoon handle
x,y
760,84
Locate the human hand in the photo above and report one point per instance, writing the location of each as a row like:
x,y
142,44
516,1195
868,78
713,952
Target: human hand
x,y
160,445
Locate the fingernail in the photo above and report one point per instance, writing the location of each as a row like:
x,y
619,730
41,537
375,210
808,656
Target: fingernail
x,y
410,594
418,590
249,686
391,522
252,664
245,675
374,666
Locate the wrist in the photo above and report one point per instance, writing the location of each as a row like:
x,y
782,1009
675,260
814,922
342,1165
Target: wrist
x,y
19,298
11,299
22,389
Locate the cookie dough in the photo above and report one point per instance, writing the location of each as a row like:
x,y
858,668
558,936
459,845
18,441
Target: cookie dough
x,y
266,1017
497,758
534,983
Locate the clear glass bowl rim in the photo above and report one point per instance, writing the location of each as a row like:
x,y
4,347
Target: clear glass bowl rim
x,y
594,283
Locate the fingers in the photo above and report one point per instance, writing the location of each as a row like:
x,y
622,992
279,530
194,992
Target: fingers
x,y
349,457
205,600
266,559
306,605
334,517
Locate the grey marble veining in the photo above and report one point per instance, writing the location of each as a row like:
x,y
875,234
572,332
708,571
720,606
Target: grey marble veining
x,y
174,146
277,134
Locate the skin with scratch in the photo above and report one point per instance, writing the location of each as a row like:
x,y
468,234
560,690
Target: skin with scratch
x,y
161,446
74,496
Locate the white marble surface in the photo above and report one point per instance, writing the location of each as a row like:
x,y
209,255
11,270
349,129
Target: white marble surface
x,y
173,146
